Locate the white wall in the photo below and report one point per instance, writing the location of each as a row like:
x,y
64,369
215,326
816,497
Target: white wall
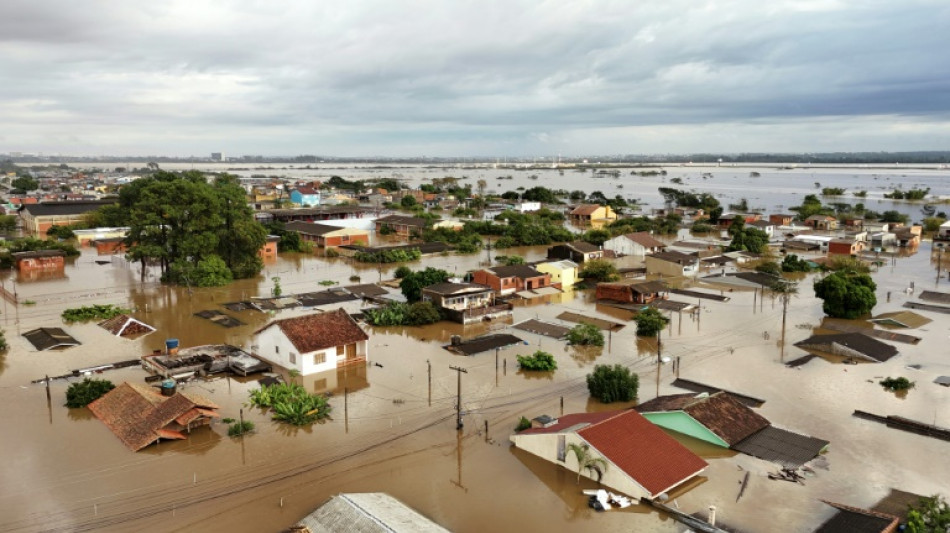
x,y
274,346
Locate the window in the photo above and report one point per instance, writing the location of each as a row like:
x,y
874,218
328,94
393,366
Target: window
x,y
293,358
340,350
276,349
319,358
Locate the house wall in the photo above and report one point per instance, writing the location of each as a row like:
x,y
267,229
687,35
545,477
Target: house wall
x,y
46,264
624,246
545,446
274,346
268,250
467,301
110,247
566,277
681,422
499,285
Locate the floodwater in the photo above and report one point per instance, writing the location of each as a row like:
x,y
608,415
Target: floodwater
x,y
391,432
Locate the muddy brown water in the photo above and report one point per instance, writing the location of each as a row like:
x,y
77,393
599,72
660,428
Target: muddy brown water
x,y
65,470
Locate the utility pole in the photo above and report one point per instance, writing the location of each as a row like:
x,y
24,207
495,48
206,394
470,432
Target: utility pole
x,y
659,358
458,399
430,381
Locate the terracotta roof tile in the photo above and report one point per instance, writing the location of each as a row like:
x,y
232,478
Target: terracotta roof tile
x,y
585,209
643,451
643,238
723,414
320,331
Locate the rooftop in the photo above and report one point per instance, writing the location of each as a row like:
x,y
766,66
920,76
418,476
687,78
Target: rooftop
x,y
372,512
453,289
643,238
515,271
721,413
865,346
585,209
320,331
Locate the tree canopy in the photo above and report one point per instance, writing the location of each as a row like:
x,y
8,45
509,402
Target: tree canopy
x,y
413,283
846,294
650,322
613,383
747,239
182,222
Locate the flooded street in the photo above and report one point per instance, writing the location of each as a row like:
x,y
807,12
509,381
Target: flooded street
x,y
391,432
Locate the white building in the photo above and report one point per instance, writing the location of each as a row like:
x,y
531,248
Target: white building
x,y
637,244
313,343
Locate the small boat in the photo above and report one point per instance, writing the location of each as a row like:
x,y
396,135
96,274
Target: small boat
x,y
929,209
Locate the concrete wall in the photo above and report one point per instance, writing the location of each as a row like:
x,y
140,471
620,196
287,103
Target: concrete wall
x,y
274,346
545,446
566,277
624,246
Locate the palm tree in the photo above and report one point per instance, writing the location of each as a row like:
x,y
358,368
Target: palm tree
x,y
787,289
586,461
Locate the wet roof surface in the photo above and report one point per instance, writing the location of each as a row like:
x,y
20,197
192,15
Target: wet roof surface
x,y
484,344
781,446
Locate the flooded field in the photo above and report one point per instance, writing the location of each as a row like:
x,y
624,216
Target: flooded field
x,y
391,432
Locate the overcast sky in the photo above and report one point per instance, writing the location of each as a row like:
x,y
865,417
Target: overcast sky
x,y
458,78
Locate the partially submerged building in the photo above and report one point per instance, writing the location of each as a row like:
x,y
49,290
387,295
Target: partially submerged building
x,y
723,420
314,343
642,460
563,273
851,345
637,244
125,326
633,292
578,251
139,415
674,264
372,512
326,236
466,303
506,280
50,339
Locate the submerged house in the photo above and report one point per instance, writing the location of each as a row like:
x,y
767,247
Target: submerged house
x,y
719,418
591,213
642,460
370,512
125,326
634,292
326,236
723,420
465,303
563,273
851,345
506,280
140,415
636,244
50,339
314,343
577,251
672,264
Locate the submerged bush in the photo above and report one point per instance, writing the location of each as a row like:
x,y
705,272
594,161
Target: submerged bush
x,y
236,429
291,403
539,361
896,384
93,312
87,391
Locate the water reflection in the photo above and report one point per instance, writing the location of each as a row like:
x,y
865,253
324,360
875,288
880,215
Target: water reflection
x,y
197,442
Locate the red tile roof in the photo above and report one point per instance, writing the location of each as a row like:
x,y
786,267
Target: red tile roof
x,y
643,451
139,414
320,331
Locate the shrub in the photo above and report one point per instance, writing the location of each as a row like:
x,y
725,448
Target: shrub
x,y
895,384
793,263
523,424
769,267
388,256
236,429
585,335
613,383
291,403
87,391
402,271
93,312
421,313
846,294
538,361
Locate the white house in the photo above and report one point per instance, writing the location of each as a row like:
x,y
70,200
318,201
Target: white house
x,y
636,244
313,343
642,460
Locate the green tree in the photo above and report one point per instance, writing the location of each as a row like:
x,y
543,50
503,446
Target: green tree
x,y
3,342
25,183
408,201
8,222
276,290
585,335
846,294
597,237
83,393
402,271
650,322
929,515
793,263
181,219
510,260
600,270
613,384
587,461
412,284
209,272
747,239
60,232
422,313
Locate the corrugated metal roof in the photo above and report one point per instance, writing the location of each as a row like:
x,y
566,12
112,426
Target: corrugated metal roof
x,y
49,338
781,446
374,512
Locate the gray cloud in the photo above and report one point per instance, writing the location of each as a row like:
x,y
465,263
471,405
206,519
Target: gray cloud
x,y
460,78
